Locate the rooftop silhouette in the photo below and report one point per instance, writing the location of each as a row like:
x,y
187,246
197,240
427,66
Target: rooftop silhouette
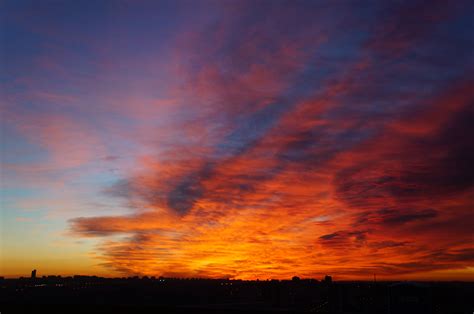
x,y
149,294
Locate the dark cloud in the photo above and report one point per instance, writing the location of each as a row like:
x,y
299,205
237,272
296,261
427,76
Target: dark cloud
x,y
387,244
391,217
343,239
404,23
409,167
184,194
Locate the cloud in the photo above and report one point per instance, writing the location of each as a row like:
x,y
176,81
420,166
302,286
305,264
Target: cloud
x,y
406,23
343,239
404,165
260,118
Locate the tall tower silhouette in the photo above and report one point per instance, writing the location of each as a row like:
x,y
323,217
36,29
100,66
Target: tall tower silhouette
x,y
33,274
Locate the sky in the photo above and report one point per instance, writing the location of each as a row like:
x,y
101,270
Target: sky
x,y
237,139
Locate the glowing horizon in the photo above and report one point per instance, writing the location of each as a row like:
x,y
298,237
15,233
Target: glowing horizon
x,y
238,139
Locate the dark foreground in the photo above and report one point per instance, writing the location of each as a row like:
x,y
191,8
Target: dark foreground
x,y
81,294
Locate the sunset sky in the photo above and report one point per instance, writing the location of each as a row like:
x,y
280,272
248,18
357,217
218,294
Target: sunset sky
x,y
237,139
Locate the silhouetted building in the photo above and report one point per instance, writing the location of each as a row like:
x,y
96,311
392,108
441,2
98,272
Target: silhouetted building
x,y
327,279
33,274
79,294
295,278
410,297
